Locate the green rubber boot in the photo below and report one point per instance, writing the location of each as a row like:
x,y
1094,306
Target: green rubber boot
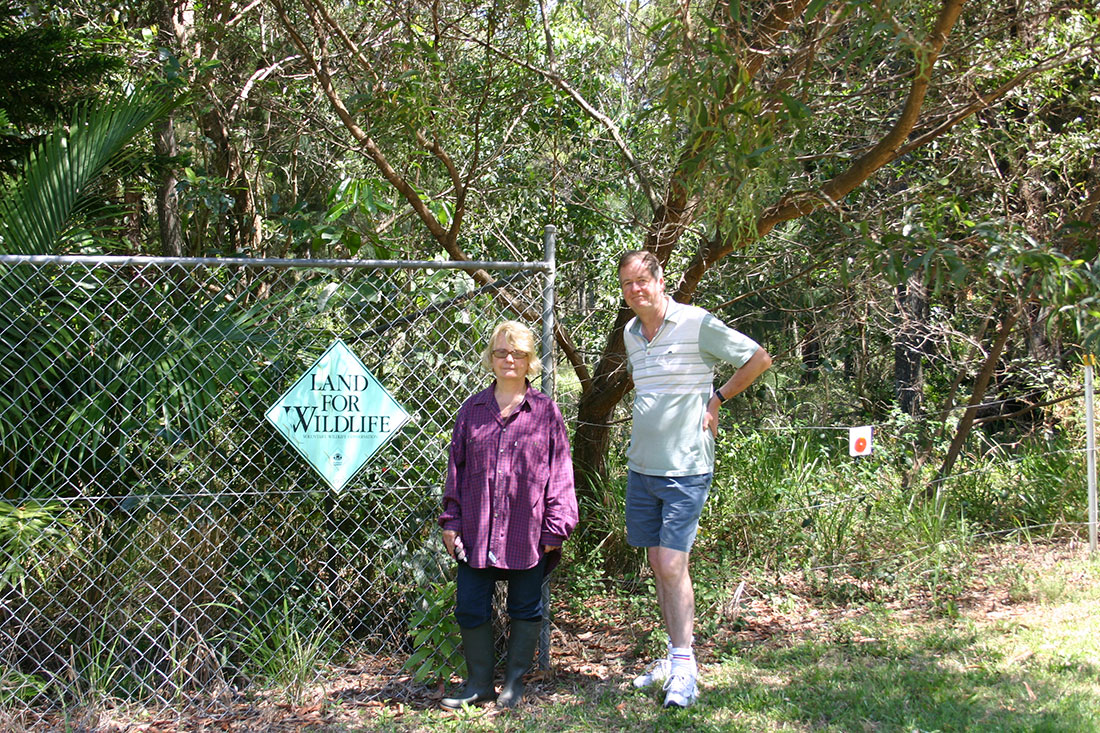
x,y
522,640
477,647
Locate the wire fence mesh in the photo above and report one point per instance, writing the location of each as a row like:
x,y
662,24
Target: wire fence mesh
x,y
159,539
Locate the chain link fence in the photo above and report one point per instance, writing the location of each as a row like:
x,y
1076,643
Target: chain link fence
x,y
159,539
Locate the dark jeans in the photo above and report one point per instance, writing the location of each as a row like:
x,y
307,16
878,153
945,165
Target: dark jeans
x,y
474,598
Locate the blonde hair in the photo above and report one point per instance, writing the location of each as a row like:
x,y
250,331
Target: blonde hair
x,y
519,337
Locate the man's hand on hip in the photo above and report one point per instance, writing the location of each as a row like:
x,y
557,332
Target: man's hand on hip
x,y
710,416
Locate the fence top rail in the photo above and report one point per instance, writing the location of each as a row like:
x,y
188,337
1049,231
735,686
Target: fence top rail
x,y
199,262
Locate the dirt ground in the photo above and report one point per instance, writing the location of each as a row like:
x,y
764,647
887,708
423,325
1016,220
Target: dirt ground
x,y
599,648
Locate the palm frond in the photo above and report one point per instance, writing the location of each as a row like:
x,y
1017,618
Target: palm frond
x,y
36,214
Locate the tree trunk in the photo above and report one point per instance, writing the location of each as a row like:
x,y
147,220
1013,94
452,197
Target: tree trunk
x,y
810,348
244,222
980,387
911,344
171,231
175,19
592,438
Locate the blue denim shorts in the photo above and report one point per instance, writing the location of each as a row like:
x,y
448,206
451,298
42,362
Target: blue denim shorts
x,y
664,511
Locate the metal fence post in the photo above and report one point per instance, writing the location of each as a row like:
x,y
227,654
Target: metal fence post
x,y
1090,448
549,241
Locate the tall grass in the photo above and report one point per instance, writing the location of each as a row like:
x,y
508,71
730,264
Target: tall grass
x,y
794,500
282,648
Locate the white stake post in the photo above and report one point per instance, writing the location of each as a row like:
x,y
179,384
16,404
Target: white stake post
x,y
1090,448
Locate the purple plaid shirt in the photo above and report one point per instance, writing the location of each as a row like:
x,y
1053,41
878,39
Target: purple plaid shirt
x,y
509,481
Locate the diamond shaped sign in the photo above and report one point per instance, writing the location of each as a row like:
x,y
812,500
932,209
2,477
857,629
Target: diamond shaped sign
x,y
337,415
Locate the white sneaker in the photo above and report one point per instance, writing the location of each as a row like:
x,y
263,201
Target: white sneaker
x,y
680,690
655,674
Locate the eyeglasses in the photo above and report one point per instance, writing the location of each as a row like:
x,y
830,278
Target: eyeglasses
x,y
504,353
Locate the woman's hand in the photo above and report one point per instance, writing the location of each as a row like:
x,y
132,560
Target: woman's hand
x,y
453,542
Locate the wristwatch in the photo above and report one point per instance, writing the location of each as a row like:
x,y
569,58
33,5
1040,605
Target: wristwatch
x,y
718,394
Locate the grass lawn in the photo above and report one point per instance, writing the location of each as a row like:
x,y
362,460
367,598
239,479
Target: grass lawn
x,y
1018,651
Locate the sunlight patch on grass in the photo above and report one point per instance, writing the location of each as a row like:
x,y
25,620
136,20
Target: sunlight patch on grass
x,y
1036,668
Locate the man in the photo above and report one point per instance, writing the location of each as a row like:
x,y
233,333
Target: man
x,y
672,350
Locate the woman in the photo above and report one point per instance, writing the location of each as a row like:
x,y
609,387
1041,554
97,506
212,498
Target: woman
x,y
508,506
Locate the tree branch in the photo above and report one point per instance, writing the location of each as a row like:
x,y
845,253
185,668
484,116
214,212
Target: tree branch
x,y
982,102
608,124
885,151
349,44
446,238
257,77
365,141
976,397
795,205
1028,408
771,29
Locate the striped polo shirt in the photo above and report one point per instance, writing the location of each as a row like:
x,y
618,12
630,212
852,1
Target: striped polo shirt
x,y
673,380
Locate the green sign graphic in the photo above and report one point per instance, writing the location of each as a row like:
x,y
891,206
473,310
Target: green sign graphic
x,y
337,415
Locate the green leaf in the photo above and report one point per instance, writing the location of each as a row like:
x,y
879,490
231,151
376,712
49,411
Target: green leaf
x,y
813,9
54,186
795,107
